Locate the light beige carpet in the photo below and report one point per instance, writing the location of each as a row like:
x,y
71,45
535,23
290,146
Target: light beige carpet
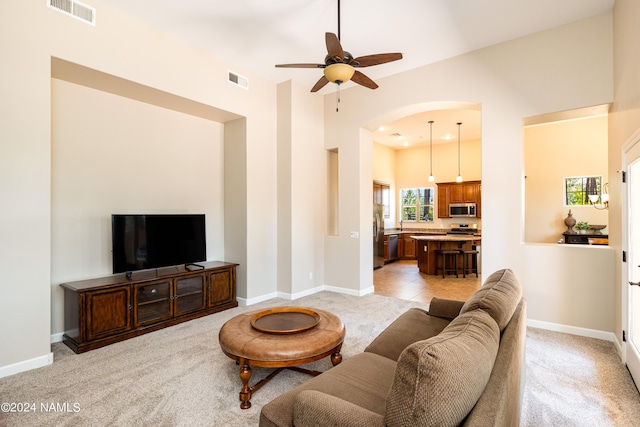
x,y
179,377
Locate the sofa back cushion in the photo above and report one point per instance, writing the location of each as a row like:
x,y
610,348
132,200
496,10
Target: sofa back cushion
x,y
499,297
438,381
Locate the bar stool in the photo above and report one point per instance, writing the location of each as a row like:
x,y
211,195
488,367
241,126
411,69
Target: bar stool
x,y
444,256
473,267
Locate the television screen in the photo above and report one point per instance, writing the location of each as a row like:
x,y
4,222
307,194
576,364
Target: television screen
x,y
152,241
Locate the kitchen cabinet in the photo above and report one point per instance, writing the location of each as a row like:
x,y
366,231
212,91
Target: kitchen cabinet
x,y
409,246
465,192
458,192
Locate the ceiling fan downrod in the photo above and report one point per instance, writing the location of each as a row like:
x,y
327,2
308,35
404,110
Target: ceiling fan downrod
x,y
338,19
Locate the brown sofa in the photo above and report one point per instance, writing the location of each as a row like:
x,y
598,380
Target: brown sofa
x,y
457,364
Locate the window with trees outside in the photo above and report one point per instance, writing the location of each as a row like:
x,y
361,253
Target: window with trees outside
x,y
577,189
416,204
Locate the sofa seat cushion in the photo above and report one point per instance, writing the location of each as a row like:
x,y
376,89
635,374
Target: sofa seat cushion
x,y
364,380
413,325
498,296
439,380
316,409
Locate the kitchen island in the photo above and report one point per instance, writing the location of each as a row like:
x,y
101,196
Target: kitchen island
x,y
427,245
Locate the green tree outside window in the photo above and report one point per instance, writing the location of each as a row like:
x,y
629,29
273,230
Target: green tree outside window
x,y
578,189
417,204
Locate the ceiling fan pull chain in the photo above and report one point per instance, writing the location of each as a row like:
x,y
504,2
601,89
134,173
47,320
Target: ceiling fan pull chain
x,y
337,97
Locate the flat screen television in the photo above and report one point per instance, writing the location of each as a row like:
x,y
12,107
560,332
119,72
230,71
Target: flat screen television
x,y
152,241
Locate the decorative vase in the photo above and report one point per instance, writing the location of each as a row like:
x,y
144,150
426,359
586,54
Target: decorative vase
x,y
570,221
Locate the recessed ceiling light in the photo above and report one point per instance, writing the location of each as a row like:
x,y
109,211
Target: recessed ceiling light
x,y
406,144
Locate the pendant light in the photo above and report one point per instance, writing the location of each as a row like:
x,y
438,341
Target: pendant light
x,y
459,177
431,178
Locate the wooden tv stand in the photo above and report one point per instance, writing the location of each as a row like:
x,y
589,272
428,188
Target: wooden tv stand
x,y
105,310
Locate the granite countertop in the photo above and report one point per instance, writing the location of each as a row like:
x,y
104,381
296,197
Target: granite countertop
x,y
411,231
389,231
448,238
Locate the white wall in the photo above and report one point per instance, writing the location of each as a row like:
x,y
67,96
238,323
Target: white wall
x,y
409,168
556,70
25,262
142,159
412,172
30,35
624,121
555,151
302,190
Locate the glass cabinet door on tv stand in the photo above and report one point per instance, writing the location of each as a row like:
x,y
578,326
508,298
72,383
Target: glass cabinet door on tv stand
x,y
152,302
189,294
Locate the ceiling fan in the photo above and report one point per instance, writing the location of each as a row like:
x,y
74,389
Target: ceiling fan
x,y
340,66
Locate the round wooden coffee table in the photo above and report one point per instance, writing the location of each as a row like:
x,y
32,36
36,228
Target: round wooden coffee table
x,y
283,337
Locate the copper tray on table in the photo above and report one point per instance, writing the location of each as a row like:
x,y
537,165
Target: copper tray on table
x,y
285,320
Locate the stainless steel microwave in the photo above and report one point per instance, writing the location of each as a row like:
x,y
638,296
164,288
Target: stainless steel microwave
x,y
459,210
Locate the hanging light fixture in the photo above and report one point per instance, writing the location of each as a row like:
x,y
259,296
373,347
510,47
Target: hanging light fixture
x,y
431,178
604,197
459,177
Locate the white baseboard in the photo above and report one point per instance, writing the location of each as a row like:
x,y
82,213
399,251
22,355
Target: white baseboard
x,y
301,294
26,365
353,292
335,289
256,300
56,337
573,330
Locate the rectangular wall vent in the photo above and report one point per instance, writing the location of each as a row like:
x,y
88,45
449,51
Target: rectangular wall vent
x,y
238,80
75,9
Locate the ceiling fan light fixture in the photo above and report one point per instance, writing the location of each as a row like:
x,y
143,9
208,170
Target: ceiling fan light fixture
x,y
459,177
339,73
431,177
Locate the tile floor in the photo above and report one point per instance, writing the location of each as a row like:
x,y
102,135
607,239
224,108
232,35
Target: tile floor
x,y
402,279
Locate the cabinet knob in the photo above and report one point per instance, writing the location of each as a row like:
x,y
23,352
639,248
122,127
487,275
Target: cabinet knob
x,y
129,306
154,290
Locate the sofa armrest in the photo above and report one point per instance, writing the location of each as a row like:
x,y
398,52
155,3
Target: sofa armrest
x,y
316,409
445,308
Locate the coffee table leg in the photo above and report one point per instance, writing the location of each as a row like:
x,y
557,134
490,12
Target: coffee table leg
x,y
245,376
336,357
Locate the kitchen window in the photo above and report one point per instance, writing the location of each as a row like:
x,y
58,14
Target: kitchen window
x,y
577,189
416,204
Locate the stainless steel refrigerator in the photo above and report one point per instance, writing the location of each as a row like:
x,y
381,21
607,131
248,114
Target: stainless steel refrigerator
x,y
378,236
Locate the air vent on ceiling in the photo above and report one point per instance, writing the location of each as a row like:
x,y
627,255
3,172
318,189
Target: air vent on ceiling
x,y
74,8
238,80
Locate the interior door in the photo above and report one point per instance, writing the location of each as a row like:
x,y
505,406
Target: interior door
x,y
633,273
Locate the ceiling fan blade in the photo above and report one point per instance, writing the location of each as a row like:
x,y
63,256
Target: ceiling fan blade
x,y
363,80
320,84
334,48
300,65
380,58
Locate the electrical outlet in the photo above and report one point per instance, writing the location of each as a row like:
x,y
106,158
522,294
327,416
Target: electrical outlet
x,y
311,275
354,234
